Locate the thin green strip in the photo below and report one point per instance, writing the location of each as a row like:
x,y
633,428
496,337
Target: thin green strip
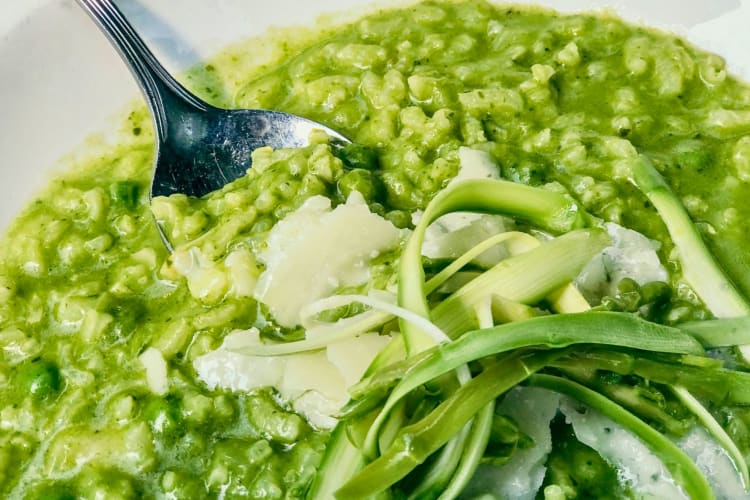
x,y
716,430
546,209
477,250
416,442
556,331
699,267
526,278
724,332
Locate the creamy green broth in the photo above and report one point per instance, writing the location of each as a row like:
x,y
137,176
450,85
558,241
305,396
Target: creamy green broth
x,y
86,285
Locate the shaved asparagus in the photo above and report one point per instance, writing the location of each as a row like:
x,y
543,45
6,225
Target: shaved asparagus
x,y
418,441
479,430
721,436
723,332
517,241
453,435
699,267
557,331
709,380
321,334
342,458
472,453
550,210
546,209
526,278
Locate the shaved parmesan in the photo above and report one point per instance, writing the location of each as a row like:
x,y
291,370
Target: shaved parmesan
x,y
714,462
315,384
475,164
631,255
315,250
317,409
637,466
229,370
352,356
532,409
312,370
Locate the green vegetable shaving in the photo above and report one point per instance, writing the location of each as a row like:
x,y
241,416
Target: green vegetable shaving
x,y
579,343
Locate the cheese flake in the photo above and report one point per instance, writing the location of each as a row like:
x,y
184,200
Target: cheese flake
x,y
315,250
314,383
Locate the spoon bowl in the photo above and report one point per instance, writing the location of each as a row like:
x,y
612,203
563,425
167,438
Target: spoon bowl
x,y
204,150
199,147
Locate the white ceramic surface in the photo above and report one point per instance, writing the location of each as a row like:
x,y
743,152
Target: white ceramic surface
x,y
60,80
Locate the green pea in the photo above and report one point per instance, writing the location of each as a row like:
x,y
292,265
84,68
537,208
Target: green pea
x,y
505,430
40,378
627,285
588,467
163,415
656,292
273,422
617,304
57,493
129,313
355,156
400,218
126,194
578,470
505,438
181,484
695,160
630,301
364,181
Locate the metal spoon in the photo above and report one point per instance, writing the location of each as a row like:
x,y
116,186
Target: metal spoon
x,y
199,147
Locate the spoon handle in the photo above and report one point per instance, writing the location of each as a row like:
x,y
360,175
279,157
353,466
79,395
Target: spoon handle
x,y
161,90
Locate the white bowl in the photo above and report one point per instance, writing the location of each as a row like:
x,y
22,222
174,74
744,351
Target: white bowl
x,y
60,80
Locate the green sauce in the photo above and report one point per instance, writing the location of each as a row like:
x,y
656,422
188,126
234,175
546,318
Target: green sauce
x,y
86,285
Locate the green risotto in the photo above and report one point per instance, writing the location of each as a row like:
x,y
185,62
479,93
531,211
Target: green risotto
x,y
526,277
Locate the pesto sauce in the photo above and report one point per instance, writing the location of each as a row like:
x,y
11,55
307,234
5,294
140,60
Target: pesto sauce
x,y
86,284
